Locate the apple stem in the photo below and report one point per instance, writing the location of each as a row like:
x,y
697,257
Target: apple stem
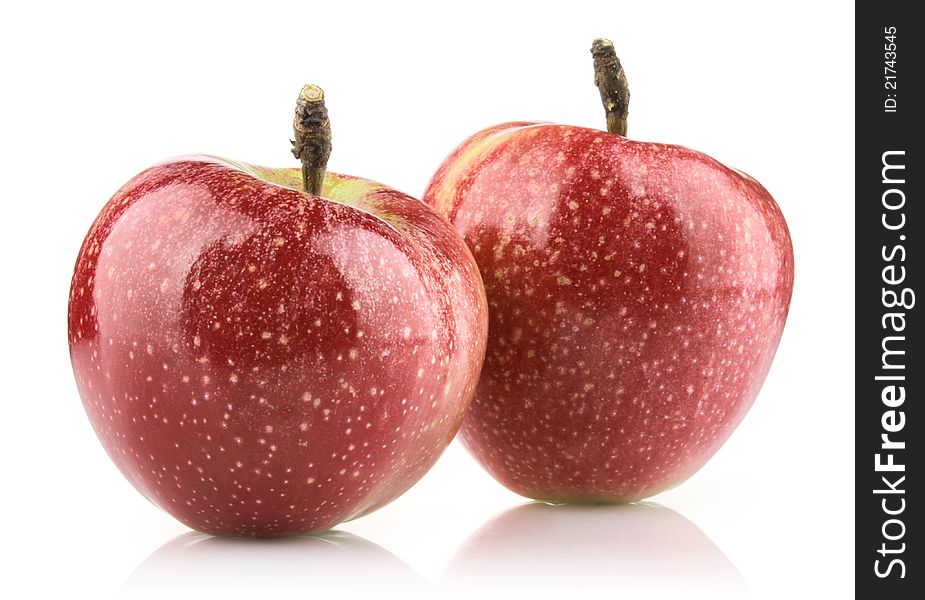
x,y
312,144
611,81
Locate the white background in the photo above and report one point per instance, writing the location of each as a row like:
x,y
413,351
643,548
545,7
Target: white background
x,y
93,94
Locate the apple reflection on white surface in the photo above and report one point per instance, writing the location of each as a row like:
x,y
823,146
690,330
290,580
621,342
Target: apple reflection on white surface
x,y
580,551
538,549
196,565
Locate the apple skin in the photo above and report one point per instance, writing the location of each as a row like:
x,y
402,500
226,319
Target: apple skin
x,y
258,361
637,294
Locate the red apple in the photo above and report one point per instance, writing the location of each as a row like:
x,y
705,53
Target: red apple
x,y
637,293
258,360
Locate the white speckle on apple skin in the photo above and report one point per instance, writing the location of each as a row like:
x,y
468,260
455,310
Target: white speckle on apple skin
x,y
228,389
637,293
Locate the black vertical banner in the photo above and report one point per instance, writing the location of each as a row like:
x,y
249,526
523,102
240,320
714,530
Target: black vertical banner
x,y
889,367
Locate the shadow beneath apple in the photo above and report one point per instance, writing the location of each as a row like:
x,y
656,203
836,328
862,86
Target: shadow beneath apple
x,y
570,551
197,565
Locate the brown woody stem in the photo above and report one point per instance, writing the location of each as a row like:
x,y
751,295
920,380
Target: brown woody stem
x,y
611,81
312,144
